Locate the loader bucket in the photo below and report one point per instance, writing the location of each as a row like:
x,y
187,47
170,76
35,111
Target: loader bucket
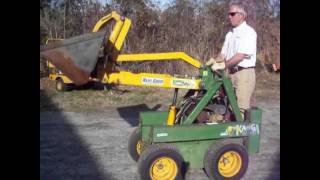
x,y
76,57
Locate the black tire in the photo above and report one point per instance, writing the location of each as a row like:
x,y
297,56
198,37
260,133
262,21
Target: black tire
x,y
161,159
61,86
236,153
135,144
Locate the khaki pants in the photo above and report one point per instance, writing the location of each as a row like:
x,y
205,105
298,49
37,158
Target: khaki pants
x,y
244,82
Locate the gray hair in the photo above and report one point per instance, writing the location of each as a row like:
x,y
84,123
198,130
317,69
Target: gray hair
x,y
240,5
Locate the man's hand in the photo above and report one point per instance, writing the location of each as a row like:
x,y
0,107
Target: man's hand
x,y
218,66
210,61
220,58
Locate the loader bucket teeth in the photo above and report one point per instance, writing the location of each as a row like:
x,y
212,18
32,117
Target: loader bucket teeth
x,y
76,57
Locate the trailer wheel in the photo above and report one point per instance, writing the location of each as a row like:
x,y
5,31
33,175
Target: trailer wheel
x,y
161,162
226,161
61,86
135,144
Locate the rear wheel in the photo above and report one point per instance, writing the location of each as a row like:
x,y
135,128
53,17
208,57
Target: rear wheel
x,y
161,162
135,144
226,161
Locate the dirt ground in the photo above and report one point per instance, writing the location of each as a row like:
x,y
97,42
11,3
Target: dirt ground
x,y
93,145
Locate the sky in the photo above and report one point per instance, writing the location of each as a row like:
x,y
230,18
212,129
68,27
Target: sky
x,y
160,3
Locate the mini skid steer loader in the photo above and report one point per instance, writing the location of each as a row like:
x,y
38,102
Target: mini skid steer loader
x,y
204,130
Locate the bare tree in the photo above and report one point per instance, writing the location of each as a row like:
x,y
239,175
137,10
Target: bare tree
x,y
197,27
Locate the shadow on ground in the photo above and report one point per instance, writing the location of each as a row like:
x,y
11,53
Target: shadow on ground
x,y
131,113
99,86
63,154
275,170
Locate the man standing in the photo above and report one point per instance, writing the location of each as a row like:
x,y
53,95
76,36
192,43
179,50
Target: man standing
x,y
239,53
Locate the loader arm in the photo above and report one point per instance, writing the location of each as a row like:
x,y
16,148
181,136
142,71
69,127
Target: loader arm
x,y
159,56
118,33
153,79
116,40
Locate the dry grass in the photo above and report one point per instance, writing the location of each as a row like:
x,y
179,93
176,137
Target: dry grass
x,y
268,87
99,100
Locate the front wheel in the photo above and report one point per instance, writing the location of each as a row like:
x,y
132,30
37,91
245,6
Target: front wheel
x,y
226,161
161,162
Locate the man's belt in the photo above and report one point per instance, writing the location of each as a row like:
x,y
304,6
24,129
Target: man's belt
x,y
238,68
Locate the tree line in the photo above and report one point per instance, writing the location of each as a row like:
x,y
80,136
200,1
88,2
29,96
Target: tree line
x,y
196,27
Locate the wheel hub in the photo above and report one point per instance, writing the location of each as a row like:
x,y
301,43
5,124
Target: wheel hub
x,y
59,86
163,168
229,164
139,146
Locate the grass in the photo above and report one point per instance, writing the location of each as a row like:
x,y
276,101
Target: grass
x,y
100,100
267,87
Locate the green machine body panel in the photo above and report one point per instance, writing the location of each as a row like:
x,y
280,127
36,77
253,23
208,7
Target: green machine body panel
x,y
193,140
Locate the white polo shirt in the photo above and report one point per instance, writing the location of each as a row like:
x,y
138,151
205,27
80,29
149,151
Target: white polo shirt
x,y
241,39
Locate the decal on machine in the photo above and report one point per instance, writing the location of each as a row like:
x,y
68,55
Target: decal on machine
x,y
152,81
205,73
162,134
183,83
241,130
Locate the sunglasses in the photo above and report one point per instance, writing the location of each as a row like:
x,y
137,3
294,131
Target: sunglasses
x,y
232,13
